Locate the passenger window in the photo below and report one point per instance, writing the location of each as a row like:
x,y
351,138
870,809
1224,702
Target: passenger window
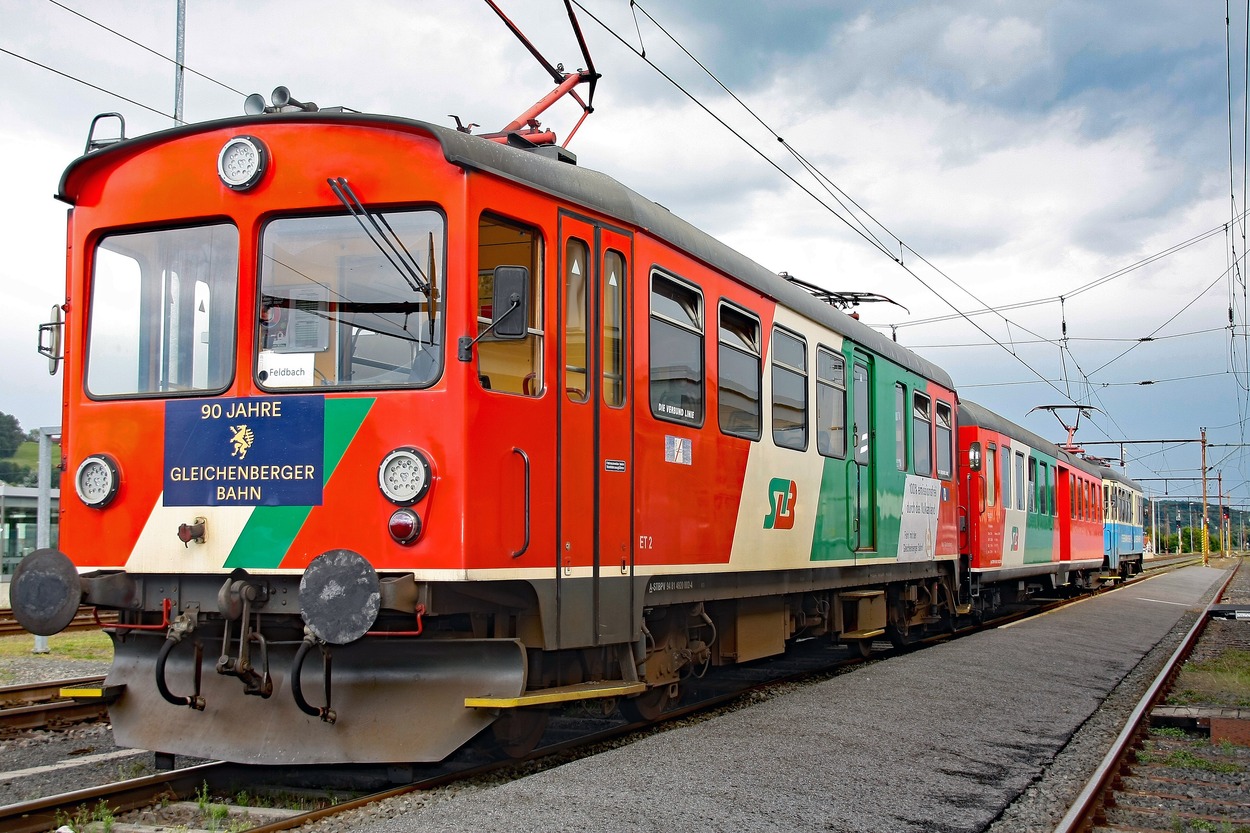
x,y
738,377
513,366
900,428
945,453
1006,477
676,350
614,274
789,390
1043,488
1020,496
921,439
1032,484
830,403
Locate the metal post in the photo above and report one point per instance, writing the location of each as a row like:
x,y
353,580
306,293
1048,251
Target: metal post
x,y
1154,527
179,48
1219,479
1206,550
4,530
43,512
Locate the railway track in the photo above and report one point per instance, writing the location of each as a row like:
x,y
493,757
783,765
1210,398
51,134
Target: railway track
x,y
202,796
1161,779
87,618
40,706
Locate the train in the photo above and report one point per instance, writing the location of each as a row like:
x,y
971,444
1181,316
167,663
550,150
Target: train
x,y
384,438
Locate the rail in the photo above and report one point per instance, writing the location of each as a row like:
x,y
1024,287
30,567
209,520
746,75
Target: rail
x,y
1080,816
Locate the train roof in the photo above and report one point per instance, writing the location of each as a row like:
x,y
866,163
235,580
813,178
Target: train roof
x,y
983,417
588,188
1123,479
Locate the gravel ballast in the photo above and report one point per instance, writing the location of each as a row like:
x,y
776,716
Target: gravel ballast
x,y
943,739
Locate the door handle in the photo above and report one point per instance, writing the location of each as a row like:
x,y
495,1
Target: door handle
x,y
526,460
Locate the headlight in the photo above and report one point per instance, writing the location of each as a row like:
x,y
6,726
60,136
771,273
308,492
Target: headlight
x,y
404,476
241,163
96,480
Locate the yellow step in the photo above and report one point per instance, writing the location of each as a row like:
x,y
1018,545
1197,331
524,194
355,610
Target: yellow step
x,y
872,634
559,694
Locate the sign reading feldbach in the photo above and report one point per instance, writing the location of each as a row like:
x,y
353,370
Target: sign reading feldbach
x,y
257,451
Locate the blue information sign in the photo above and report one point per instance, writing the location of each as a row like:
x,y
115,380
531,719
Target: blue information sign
x,y
258,451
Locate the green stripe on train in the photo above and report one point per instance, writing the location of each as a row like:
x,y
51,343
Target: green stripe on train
x,y
265,539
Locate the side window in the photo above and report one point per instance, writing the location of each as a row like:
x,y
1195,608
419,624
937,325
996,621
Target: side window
x,y
830,403
1043,488
738,376
991,474
944,434
921,435
1020,496
1032,484
900,428
1006,477
614,274
789,390
576,314
509,366
676,350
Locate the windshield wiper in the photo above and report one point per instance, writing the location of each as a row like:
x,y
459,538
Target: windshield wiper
x,y
406,266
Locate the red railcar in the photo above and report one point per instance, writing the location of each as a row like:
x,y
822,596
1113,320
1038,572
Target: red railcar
x,y
1034,518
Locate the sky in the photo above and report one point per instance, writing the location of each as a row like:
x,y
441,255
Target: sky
x,y
977,154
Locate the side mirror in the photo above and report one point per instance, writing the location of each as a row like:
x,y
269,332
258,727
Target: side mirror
x,y
510,302
50,339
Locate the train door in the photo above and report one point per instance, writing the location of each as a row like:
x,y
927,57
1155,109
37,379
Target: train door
x,y
863,470
1063,511
595,437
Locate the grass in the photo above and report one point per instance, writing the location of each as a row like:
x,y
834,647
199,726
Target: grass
x,y
1223,680
1185,759
86,645
28,455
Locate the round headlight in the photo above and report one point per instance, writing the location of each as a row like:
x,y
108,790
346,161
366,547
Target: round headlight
x,y
404,476
241,163
96,480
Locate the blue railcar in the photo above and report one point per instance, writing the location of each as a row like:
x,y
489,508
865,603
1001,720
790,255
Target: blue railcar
x,y
1123,532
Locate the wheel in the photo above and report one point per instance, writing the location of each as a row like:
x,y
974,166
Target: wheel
x,y
862,646
517,732
649,705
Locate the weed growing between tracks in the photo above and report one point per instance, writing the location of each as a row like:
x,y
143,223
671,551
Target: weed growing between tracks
x,y
1222,680
1178,749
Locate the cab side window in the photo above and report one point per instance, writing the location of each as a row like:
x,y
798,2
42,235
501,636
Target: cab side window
x,y
513,366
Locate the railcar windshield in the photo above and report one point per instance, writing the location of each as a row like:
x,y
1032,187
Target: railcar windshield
x,y
163,311
339,308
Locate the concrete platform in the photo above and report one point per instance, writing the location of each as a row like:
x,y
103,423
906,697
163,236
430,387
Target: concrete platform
x,y
938,740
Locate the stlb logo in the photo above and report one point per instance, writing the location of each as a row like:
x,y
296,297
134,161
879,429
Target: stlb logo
x,y
782,495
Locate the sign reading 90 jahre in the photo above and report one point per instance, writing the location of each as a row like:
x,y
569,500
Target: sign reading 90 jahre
x,y
258,451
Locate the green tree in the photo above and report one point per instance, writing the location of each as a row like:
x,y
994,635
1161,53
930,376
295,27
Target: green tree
x,y
17,475
11,435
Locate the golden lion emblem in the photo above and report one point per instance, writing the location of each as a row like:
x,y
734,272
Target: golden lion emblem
x,y
242,440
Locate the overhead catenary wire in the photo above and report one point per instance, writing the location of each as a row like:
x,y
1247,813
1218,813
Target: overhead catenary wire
x,y
143,46
641,53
